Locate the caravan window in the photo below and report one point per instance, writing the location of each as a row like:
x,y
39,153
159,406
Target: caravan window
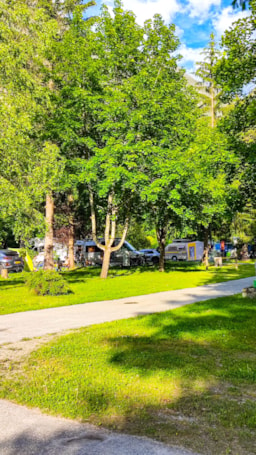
x,y
171,249
175,249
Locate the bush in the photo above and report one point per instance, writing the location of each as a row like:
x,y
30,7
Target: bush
x,y
47,282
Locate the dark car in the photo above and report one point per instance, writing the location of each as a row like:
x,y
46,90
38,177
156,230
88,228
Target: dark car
x,y
11,261
151,255
87,252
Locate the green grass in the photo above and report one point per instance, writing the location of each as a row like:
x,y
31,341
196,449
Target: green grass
x,y
87,286
184,377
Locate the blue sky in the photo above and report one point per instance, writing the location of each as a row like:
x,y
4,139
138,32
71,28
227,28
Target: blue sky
x,y
194,20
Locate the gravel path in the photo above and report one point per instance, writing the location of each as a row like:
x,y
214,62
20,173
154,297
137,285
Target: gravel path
x,y
29,432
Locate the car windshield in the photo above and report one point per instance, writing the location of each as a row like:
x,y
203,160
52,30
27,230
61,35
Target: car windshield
x,y
129,246
8,253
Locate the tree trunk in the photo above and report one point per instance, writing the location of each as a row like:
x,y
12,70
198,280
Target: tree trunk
x,y
162,257
106,262
110,232
71,234
48,248
4,273
71,243
161,237
212,108
206,248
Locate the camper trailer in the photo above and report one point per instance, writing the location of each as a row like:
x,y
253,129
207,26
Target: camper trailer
x,y
184,250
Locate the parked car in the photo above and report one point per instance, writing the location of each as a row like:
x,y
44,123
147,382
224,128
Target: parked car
x,y
87,253
11,261
151,255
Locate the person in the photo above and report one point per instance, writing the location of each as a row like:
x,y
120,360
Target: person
x,y
78,254
59,264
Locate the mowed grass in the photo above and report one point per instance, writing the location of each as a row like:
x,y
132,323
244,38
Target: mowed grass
x,y
87,286
185,377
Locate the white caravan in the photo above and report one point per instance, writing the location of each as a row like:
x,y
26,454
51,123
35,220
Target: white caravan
x,y
184,250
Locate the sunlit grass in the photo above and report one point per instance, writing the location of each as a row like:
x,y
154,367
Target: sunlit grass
x,y
184,377
87,286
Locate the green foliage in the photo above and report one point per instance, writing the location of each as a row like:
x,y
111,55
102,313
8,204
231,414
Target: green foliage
x,y
137,236
205,71
30,164
235,73
244,224
47,282
237,67
23,252
140,115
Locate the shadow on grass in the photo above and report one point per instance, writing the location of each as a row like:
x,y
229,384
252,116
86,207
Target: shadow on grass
x,y
83,273
4,284
180,377
60,441
201,343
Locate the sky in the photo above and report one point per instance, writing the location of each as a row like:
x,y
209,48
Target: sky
x,y
194,20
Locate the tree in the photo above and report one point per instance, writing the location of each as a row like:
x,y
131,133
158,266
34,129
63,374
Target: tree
x,y
213,189
26,33
236,68
31,165
128,107
242,3
235,73
206,72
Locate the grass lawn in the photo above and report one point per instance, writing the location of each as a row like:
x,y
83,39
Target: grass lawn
x,y
185,377
87,286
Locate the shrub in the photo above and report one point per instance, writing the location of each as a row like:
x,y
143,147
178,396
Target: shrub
x,y
47,282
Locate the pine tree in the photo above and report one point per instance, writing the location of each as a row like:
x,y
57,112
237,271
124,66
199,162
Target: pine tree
x,y
206,72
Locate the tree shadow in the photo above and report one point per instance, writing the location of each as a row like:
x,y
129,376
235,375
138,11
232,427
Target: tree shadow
x,y
4,284
63,442
212,331
202,353
81,274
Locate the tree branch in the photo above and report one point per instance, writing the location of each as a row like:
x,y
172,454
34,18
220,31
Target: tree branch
x,y
93,219
120,244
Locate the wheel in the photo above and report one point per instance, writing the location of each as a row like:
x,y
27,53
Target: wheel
x,y
174,258
141,261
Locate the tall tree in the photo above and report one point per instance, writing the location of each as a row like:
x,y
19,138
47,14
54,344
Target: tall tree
x,y
26,34
206,72
213,202
235,73
29,32
128,107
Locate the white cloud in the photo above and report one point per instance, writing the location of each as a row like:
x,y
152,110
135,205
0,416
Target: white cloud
x,y
224,19
146,9
190,56
199,8
179,31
